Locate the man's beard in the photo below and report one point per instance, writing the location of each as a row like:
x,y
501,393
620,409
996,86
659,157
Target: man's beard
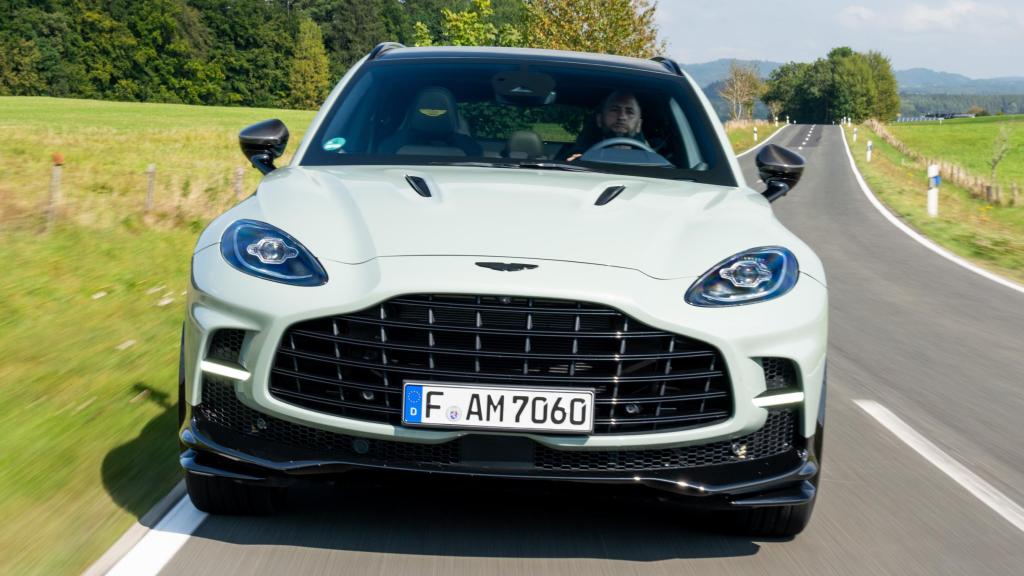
x,y
607,133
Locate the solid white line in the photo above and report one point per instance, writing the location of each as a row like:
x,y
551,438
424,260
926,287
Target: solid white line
x,y
763,142
916,235
161,543
981,489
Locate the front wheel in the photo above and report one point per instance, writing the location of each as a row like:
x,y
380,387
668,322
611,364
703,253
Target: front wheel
x,y
223,496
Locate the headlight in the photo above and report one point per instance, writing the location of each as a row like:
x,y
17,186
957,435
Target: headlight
x,y
752,276
262,250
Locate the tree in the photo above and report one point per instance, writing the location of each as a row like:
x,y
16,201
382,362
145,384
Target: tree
x,y
474,26
887,97
308,75
742,89
623,27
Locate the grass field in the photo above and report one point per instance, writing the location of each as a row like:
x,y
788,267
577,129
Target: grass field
x,y
969,142
107,147
741,134
991,236
91,313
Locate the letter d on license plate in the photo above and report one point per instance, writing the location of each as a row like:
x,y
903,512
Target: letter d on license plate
x,y
445,405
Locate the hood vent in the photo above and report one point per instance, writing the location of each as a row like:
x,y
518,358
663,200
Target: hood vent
x,y
419,185
608,195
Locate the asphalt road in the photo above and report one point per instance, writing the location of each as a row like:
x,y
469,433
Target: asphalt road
x,y
939,346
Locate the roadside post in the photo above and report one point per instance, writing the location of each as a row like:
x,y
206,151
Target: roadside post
x,y
51,213
854,134
934,180
150,184
755,133
870,147
787,118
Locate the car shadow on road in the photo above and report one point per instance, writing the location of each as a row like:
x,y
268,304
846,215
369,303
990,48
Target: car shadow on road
x,y
139,472
465,517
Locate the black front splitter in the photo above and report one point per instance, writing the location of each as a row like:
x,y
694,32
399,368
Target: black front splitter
x,y
787,479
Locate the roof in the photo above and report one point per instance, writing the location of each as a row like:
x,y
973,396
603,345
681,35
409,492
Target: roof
x,y
531,54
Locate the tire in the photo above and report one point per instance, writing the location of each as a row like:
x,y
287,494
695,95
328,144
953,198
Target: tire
x,y
776,522
223,496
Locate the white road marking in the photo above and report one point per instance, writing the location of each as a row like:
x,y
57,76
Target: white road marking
x,y
918,237
763,142
161,543
973,483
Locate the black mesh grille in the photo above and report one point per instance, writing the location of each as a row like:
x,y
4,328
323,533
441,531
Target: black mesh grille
x,y
220,406
226,344
779,373
644,379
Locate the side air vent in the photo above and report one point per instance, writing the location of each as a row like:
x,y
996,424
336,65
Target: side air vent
x,y
419,185
226,345
780,374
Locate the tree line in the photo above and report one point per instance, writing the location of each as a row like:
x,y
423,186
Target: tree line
x,y
845,84
275,53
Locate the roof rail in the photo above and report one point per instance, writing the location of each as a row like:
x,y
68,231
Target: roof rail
x,y
382,48
670,64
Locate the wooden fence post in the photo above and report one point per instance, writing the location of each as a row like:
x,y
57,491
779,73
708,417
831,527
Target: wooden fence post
x,y
150,184
51,213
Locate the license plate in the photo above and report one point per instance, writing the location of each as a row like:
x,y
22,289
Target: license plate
x,y
498,407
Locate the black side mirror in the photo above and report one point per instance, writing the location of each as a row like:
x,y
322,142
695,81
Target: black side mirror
x,y
263,142
780,168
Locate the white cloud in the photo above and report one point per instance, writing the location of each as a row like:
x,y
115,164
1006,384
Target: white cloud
x,y
855,16
921,17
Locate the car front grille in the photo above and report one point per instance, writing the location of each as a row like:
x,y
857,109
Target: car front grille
x,y
644,379
220,406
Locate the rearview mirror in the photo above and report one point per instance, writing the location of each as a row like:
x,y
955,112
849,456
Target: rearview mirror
x,y
263,142
780,169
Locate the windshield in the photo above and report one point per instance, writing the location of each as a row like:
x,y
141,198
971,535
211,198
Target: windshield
x,y
556,116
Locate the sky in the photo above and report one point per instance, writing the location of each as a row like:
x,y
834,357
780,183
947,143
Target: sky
x,y
976,38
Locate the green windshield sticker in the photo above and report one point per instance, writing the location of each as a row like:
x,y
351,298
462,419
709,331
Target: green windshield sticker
x,y
334,144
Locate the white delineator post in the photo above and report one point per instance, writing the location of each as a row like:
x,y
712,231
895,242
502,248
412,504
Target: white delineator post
x,y
755,133
934,180
854,134
870,146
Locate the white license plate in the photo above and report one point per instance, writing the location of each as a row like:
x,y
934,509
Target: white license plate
x,y
498,407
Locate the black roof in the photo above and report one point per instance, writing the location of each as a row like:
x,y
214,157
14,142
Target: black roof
x,y
520,54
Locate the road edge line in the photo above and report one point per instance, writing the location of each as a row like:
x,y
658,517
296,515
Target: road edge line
x,y
978,487
917,236
137,532
762,142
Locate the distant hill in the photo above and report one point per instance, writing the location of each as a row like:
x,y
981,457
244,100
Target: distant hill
x,y
925,81
718,70
912,81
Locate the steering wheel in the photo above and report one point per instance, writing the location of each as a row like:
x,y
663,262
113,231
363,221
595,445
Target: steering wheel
x,y
619,141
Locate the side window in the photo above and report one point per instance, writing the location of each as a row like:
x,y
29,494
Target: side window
x,y
694,159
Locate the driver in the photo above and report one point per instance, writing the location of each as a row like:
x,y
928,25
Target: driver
x,y
619,117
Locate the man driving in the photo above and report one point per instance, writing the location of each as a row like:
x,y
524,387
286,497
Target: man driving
x,y
619,117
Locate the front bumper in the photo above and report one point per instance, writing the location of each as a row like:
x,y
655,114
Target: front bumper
x,y
227,439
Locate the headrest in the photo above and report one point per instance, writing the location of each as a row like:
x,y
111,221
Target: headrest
x,y
434,112
524,144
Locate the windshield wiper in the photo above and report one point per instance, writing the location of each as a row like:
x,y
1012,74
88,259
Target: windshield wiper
x,y
527,165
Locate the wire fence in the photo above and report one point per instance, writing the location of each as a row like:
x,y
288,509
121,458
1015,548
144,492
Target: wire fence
x,y
977,186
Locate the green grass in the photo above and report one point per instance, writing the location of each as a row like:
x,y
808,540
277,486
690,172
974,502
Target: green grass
x,y
107,147
88,385
969,142
742,137
87,417
991,236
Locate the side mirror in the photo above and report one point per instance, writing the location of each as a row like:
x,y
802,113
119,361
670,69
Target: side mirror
x,y
780,168
263,142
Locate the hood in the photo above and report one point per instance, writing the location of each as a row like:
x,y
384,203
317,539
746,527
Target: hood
x,y
663,228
